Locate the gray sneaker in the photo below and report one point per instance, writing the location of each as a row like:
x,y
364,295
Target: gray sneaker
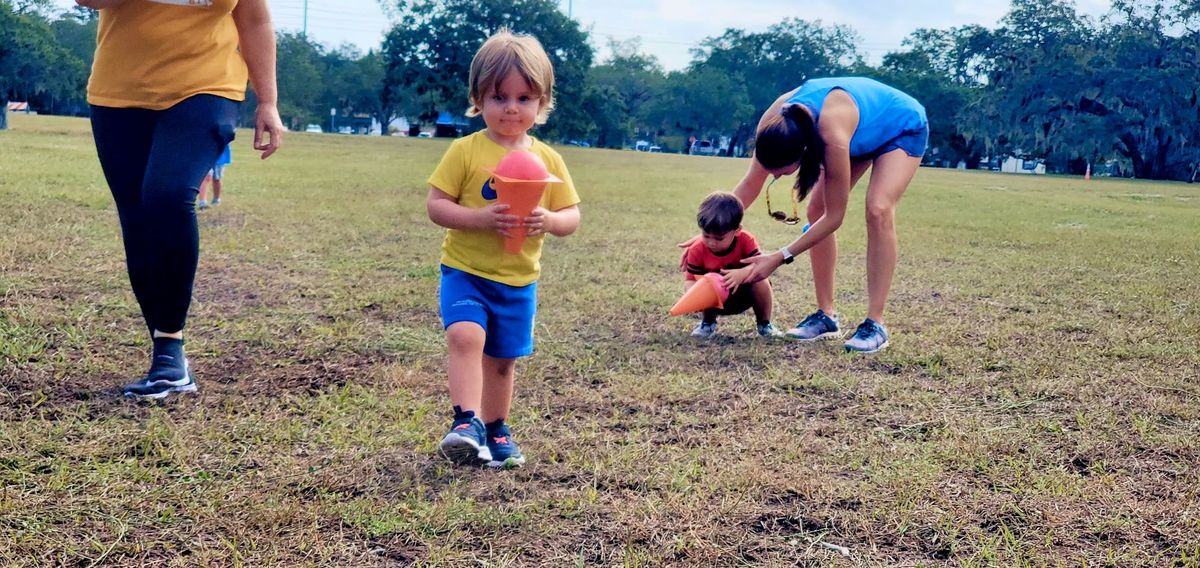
x,y
816,326
705,329
202,204
769,331
870,337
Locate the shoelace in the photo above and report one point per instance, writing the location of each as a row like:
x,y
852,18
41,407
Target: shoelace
x,y
867,329
812,319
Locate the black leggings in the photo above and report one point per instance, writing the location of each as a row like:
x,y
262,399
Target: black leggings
x,y
154,161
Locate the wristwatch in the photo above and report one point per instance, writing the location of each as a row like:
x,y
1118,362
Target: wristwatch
x,y
788,257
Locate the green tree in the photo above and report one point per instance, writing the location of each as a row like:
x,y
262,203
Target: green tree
x,y
430,48
934,73
620,91
1146,102
1036,65
776,61
32,63
299,76
704,102
75,31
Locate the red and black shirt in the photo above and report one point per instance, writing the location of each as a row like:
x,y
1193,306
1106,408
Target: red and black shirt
x,y
698,260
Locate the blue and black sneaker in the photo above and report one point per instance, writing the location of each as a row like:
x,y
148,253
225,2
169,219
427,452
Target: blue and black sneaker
x,y
162,381
466,443
169,372
870,337
505,452
816,326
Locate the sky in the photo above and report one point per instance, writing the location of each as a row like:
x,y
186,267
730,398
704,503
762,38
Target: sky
x,y
669,28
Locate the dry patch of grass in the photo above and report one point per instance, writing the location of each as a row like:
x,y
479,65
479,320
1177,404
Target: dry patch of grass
x,y
1039,405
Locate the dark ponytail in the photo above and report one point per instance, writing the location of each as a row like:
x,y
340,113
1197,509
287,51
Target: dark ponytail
x,y
789,137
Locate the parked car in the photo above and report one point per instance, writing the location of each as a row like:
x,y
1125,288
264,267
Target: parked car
x,y
703,148
579,143
425,135
642,146
313,128
655,149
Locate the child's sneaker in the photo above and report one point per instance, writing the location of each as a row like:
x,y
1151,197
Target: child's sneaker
x,y
868,338
466,443
202,204
705,329
768,331
165,377
216,201
505,452
817,325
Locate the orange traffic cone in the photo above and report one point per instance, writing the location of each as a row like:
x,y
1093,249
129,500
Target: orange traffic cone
x,y
708,292
520,180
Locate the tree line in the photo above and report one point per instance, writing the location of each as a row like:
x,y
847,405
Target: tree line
x,y
1046,83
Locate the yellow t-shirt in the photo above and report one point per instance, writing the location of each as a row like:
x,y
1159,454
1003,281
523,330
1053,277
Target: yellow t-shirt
x,y
461,175
155,53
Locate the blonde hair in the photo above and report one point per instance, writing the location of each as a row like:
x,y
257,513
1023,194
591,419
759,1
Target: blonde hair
x,y
504,53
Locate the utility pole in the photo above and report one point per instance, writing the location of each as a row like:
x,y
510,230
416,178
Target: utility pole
x,y
305,19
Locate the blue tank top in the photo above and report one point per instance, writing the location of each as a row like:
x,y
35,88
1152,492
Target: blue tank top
x,y
884,112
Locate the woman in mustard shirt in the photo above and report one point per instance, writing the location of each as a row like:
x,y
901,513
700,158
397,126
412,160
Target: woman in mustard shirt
x,y
166,83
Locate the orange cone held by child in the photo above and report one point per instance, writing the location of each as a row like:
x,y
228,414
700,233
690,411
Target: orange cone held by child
x,y
520,179
707,292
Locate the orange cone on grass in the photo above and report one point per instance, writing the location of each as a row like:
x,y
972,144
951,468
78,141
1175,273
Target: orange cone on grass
x,y
520,180
707,292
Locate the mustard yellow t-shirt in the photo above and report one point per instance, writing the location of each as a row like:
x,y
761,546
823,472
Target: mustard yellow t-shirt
x,y
461,175
155,53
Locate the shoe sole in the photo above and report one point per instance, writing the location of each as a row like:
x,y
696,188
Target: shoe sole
x,y
510,463
866,352
823,337
189,386
463,451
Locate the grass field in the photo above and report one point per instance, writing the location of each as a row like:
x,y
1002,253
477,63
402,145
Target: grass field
x,y
1040,403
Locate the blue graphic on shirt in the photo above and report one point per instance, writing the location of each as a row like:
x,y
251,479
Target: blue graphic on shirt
x,y
488,193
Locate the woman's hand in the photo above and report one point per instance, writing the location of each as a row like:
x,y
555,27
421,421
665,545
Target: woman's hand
x,y
689,242
757,268
266,120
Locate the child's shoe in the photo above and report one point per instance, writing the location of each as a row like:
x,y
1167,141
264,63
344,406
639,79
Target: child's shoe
x,y
216,201
768,331
818,325
466,443
505,452
870,337
202,204
705,329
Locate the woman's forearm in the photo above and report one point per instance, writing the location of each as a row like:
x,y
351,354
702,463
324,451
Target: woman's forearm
x,y
256,34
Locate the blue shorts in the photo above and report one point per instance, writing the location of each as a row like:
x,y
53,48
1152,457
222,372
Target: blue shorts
x,y
913,142
505,313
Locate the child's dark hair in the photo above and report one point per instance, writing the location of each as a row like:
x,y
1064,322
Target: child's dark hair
x,y
720,213
788,137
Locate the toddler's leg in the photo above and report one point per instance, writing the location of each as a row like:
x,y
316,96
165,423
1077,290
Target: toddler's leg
x,y
466,442
762,298
497,380
464,341
497,402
